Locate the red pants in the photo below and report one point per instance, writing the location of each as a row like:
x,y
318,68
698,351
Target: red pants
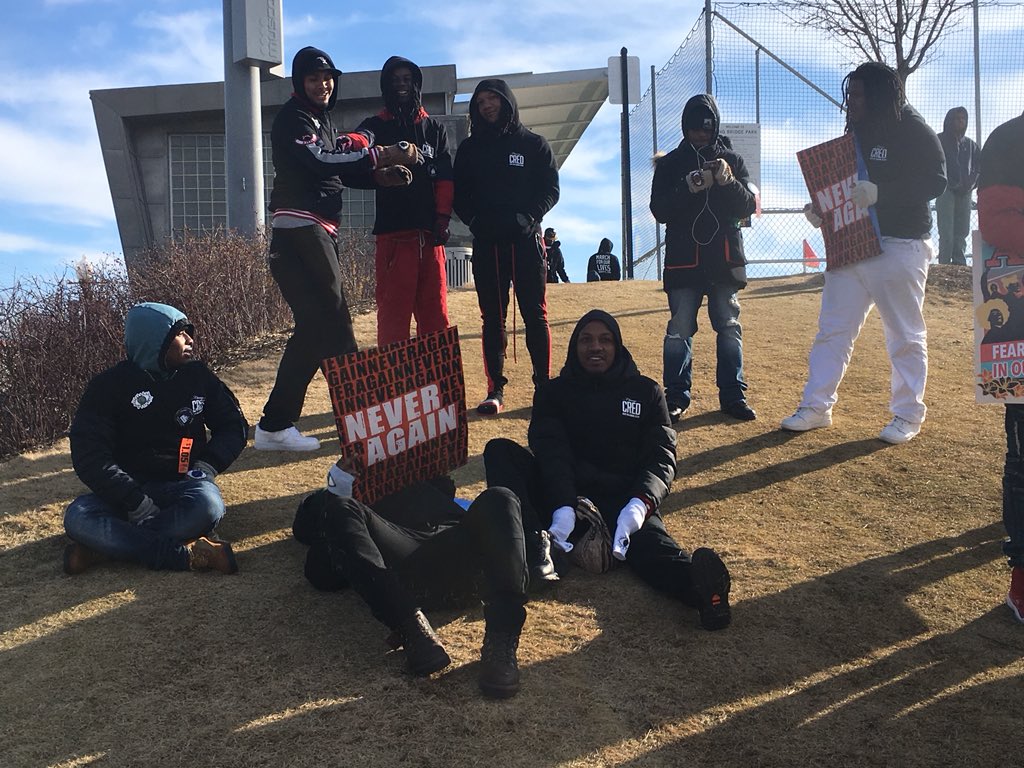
x,y
411,283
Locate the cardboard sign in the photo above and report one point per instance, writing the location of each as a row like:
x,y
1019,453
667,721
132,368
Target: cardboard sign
x,y
999,326
830,169
400,411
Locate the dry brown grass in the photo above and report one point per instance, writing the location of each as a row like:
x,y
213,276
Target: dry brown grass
x,y
868,582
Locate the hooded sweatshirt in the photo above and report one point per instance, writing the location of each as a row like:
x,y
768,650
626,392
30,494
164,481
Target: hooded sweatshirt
x,y
604,436
604,264
703,241
308,168
962,155
418,205
135,420
505,175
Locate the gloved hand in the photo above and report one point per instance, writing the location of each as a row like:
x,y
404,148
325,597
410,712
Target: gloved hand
x,y
563,520
145,512
392,176
441,233
864,193
721,171
699,181
202,471
339,482
403,153
811,216
631,518
524,222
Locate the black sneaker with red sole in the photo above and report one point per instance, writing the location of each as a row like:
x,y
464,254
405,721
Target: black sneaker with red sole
x,y
711,582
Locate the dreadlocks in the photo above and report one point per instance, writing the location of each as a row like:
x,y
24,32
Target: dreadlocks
x,y
883,90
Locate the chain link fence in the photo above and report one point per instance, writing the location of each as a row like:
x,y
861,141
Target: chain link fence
x,y
787,79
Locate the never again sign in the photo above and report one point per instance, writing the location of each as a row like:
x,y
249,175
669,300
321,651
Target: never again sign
x,y
400,411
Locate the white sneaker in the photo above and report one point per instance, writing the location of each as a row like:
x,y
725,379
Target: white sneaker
x,y
899,430
284,440
805,418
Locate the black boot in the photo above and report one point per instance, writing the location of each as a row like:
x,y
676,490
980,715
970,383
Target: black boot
x,y
424,654
499,667
538,557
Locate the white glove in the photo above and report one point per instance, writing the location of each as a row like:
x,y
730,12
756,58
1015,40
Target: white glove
x,y
722,172
145,512
699,181
339,482
812,217
864,194
563,520
631,518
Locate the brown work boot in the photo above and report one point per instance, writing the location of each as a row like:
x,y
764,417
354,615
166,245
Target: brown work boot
x,y
79,558
206,555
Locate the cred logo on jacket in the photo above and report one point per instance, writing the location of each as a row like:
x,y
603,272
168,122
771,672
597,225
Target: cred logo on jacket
x,y
516,160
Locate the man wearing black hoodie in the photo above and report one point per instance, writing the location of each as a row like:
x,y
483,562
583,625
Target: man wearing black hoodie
x,y
412,221
600,437
701,191
953,207
311,166
603,265
506,180
556,261
906,169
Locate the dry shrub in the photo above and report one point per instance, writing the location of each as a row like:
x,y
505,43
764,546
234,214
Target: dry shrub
x,y
56,334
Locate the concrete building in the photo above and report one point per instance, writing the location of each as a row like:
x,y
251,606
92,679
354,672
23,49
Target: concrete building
x,y
163,146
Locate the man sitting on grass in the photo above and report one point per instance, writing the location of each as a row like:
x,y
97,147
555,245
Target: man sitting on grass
x,y
138,441
602,449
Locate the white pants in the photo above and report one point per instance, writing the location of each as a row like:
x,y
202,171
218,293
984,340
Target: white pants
x,y
893,281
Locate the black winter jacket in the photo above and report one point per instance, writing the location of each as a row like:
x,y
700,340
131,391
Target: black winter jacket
x,y
606,437
703,241
905,159
414,206
506,179
556,262
308,168
129,425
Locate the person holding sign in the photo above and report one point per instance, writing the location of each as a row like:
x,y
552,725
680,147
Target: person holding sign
x,y
418,549
701,191
602,452
139,442
905,170
506,181
1001,219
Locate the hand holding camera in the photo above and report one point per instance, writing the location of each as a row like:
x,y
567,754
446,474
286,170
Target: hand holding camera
x,y
699,181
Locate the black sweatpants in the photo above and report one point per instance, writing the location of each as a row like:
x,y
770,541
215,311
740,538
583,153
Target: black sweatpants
x,y
397,569
304,264
653,554
496,266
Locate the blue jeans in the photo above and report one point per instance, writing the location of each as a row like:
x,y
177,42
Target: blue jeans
x,y
953,216
188,509
724,313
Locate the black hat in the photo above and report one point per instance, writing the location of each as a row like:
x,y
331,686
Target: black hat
x,y
699,118
549,233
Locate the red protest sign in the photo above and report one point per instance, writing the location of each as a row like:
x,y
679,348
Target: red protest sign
x,y
830,169
400,411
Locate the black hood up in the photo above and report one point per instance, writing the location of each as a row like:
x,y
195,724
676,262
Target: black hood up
x,y
698,109
947,122
509,122
309,60
386,71
623,367
605,246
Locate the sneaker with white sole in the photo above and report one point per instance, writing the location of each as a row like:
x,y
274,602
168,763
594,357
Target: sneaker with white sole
x,y
1015,597
806,418
899,430
284,440
492,404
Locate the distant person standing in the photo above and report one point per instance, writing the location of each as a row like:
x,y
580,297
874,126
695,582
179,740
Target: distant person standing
x,y
411,226
603,265
953,207
701,191
506,181
1001,220
906,169
309,168
556,263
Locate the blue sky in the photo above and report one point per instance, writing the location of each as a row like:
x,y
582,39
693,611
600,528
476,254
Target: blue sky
x,y
54,201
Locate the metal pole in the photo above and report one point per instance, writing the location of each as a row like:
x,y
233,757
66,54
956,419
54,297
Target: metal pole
x,y
977,78
243,140
627,194
707,46
757,86
654,144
